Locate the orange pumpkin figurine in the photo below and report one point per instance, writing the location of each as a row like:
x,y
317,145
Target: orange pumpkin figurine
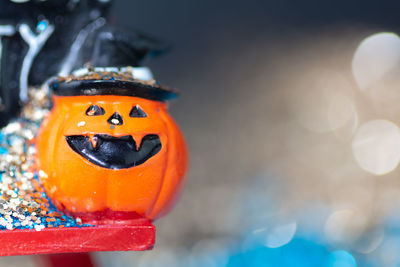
x,y
109,151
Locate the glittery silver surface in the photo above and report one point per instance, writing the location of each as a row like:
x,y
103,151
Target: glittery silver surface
x,y
23,202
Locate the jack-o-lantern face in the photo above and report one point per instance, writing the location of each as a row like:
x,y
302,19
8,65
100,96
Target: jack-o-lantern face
x,y
115,152
118,153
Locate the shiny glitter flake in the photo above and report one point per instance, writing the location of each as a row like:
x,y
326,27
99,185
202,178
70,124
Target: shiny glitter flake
x,y
23,202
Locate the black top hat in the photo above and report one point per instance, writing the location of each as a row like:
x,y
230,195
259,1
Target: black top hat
x,y
110,83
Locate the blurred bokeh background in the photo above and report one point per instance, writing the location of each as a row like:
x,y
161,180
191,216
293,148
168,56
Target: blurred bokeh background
x,y
291,111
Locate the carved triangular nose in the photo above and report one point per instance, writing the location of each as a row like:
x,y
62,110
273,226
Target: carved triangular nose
x,y
115,119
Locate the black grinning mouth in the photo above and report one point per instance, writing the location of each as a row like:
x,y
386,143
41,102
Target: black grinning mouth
x,y
115,152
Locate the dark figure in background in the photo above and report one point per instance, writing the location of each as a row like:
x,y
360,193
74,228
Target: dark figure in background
x,y
44,38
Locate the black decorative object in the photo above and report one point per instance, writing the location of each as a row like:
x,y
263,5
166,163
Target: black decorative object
x,y
40,39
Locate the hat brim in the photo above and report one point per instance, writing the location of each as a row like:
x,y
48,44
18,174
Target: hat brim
x,y
112,87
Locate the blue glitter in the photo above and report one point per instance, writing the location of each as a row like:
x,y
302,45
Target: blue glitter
x,y
23,202
3,150
42,25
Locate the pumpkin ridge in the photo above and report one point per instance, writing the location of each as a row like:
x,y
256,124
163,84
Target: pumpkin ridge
x,y
173,194
167,150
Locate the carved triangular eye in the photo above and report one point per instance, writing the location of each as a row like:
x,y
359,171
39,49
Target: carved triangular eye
x,y
95,110
115,119
137,112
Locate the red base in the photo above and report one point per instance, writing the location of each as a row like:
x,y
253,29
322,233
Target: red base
x,y
139,236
